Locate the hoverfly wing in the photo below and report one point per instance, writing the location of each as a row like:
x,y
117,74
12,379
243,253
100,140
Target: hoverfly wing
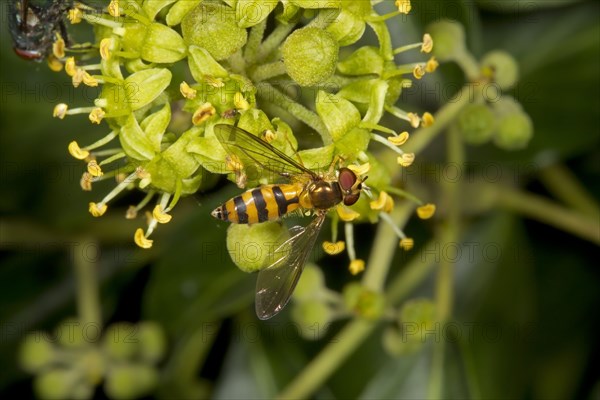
x,y
276,283
255,152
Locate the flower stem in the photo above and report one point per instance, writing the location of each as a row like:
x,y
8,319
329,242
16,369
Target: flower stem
x,y
273,95
385,244
563,184
355,332
544,210
326,362
254,39
444,290
88,303
443,117
267,71
273,41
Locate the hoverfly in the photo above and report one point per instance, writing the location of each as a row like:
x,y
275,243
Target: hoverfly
x,y
305,191
33,25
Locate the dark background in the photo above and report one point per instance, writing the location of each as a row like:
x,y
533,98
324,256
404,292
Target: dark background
x,y
534,310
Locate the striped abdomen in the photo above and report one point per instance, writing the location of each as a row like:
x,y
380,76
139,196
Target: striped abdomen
x,y
265,203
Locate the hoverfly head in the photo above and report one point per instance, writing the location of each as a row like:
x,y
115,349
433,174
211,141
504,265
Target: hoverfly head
x,y
351,186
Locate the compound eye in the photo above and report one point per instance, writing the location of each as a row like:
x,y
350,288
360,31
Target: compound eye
x,y
346,179
351,198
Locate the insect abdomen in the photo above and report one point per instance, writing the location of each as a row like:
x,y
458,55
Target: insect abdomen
x,y
265,203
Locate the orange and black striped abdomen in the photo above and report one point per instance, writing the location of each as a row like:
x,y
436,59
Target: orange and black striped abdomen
x,y
265,203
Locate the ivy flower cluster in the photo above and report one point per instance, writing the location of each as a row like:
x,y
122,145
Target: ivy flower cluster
x,y
243,62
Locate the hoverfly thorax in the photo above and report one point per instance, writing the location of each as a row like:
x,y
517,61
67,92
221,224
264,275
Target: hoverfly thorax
x,y
350,186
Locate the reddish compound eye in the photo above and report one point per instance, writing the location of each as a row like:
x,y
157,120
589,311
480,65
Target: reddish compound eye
x,y
346,179
351,198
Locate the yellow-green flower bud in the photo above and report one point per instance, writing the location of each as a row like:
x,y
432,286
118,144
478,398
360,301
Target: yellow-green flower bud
x,y
310,55
55,383
476,123
313,317
120,341
214,27
502,68
152,341
127,381
514,131
252,247
311,282
36,352
364,302
449,39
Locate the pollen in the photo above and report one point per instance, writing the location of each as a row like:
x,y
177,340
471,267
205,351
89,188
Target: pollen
x,y
419,71
160,215
383,203
334,248
60,110
89,80
403,6
240,102
94,169
113,8
70,66
97,115
141,240
269,135
97,210
427,45
77,78
204,112
400,139
105,47
414,120
431,65
54,63
58,47
77,152
356,266
428,119
407,243
233,163
346,214
131,212
187,91
426,211
75,15
406,159
360,170
214,82
86,181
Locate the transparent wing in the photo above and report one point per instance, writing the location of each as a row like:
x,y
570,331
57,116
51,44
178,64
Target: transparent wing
x,y
275,284
256,153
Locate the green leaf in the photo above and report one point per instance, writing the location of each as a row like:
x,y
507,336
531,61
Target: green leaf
x,y
156,124
338,114
142,87
252,12
153,7
162,45
347,28
365,60
135,142
180,10
202,65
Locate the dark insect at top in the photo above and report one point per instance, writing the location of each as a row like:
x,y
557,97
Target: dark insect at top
x,y
33,25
